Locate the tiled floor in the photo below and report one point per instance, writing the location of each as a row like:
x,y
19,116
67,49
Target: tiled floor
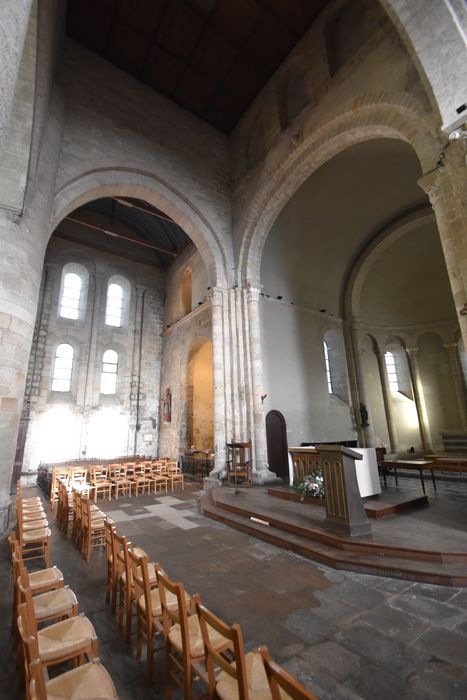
x,y
346,636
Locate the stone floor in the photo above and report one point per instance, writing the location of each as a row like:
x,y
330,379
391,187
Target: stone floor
x,y
345,636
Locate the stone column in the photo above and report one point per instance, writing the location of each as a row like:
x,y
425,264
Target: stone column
x,y
261,473
458,382
14,17
365,432
387,399
424,426
446,188
218,342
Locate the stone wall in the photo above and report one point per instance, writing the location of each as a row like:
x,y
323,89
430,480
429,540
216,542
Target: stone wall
x,y
84,422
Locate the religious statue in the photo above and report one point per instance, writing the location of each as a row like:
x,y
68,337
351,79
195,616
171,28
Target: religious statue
x,y
167,406
363,416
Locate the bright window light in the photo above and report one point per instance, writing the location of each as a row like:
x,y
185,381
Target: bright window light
x,y
63,368
71,295
113,310
109,372
328,366
391,371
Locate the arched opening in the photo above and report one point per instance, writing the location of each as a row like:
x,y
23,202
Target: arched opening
x,y
200,397
323,231
117,303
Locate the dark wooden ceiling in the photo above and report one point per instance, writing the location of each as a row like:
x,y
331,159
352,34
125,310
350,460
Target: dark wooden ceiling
x,y
211,57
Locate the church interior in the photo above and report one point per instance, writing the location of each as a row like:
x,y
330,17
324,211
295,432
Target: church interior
x,y
233,348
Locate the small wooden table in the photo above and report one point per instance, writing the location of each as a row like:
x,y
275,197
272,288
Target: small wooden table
x,y
419,465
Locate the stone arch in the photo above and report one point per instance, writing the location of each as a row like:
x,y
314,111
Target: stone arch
x,y
366,117
440,64
109,182
357,276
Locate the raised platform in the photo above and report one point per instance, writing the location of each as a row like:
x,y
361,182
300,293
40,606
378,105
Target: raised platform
x,y
427,545
375,506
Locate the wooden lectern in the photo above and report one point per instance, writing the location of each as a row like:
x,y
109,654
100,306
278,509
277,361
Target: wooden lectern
x,y
344,506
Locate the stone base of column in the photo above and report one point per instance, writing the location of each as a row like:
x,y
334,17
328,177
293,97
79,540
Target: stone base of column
x,y
5,505
264,476
214,480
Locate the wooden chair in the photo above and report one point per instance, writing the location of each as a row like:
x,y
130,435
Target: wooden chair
x,y
34,543
73,638
93,534
100,482
57,473
33,500
111,564
241,675
87,682
281,683
158,477
140,479
239,463
123,582
120,480
184,645
175,476
148,607
56,604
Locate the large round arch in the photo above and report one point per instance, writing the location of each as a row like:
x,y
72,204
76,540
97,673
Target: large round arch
x,y
367,117
130,183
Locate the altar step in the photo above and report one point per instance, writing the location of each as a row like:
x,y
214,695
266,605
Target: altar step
x,y
249,512
375,506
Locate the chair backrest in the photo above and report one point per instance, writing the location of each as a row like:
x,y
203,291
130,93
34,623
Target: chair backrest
x,y
78,475
109,529
279,679
141,579
172,614
121,556
234,637
28,632
25,597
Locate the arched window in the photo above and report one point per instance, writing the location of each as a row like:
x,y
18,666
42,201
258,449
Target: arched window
x,y
328,366
114,307
391,371
74,288
109,372
63,367
71,296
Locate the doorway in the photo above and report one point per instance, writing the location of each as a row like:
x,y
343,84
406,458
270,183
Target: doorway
x,y
276,438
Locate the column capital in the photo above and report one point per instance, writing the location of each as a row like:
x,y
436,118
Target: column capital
x,y
252,293
450,347
430,183
412,352
356,324
216,296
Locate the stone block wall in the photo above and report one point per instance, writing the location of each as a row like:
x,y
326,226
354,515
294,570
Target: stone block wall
x,y
95,424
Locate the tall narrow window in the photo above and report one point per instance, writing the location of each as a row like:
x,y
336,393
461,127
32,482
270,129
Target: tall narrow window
x,y
109,372
113,310
63,368
187,290
71,295
391,371
328,366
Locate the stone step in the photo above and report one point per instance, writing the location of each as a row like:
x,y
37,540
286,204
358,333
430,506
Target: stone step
x,y
451,573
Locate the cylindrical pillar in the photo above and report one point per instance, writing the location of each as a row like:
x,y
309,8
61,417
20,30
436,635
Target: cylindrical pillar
x,y
365,430
458,382
220,439
262,473
14,17
446,188
424,426
387,399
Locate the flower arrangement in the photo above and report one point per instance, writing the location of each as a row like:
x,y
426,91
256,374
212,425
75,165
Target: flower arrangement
x,y
312,485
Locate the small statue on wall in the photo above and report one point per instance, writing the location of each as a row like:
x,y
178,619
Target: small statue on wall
x,y
364,416
167,406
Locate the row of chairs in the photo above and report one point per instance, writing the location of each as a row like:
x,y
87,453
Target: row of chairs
x,y
50,631
32,529
120,479
86,521
197,643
